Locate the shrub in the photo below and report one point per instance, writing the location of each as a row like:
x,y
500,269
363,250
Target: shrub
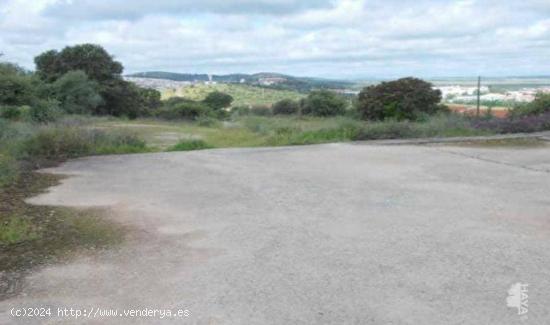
x,y
66,142
188,145
529,123
217,100
240,110
44,111
10,112
323,103
286,106
179,108
16,88
540,105
402,99
261,110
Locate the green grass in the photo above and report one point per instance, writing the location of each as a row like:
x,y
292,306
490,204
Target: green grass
x,y
243,95
16,229
188,145
256,131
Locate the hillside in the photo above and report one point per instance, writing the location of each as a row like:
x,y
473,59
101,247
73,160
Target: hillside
x,y
265,79
242,94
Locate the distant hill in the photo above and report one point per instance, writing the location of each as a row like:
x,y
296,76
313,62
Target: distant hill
x,y
243,94
264,79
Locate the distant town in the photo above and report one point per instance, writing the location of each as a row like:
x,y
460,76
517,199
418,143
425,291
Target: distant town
x,y
462,92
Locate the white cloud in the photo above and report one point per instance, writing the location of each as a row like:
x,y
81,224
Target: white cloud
x,y
340,38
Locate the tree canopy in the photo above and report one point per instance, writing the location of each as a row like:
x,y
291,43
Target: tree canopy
x,y
90,58
402,99
218,100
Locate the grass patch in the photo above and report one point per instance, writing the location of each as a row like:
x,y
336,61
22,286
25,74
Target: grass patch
x,y
188,145
31,236
505,143
9,170
14,230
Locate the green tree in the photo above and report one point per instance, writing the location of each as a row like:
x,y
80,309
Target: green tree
x,y
402,99
120,98
150,98
90,58
323,103
16,86
76,93
218,100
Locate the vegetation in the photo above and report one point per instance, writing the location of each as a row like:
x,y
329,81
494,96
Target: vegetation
x,y
183,109
218,100
286,82
403,99
243,95
286,107
540,106
187,145
71,70
323,103
39,127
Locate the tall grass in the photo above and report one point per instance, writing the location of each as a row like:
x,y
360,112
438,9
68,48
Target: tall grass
x,y
24,144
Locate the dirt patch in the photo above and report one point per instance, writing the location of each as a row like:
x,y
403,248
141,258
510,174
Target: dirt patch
x,y
34,236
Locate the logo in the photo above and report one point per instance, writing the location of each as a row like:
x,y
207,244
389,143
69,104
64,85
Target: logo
x,y
518,298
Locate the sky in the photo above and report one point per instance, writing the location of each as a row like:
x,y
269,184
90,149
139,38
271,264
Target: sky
x,y
345,39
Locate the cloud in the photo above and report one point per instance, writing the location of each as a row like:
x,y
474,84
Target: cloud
x,y
120,9
339,38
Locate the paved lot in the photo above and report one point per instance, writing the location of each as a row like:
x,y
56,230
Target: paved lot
x,y
328,234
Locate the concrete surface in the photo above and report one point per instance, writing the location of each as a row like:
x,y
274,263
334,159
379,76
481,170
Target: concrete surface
x,y
328,234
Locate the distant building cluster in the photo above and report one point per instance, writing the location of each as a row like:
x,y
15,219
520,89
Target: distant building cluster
x,y
469,93
271,81
163,84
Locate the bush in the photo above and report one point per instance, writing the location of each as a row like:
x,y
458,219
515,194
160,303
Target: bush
x,y
323,103
10,112
66,142
188,145
217,100
528,123
286,107
240,110
180,108
44,111
402,99
261,110
16,88
541,105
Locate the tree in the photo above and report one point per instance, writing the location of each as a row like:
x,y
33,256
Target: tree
x,y
76,93
218,100
90,58
120,98
286,106
324,103
402,99
16,86
150,98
